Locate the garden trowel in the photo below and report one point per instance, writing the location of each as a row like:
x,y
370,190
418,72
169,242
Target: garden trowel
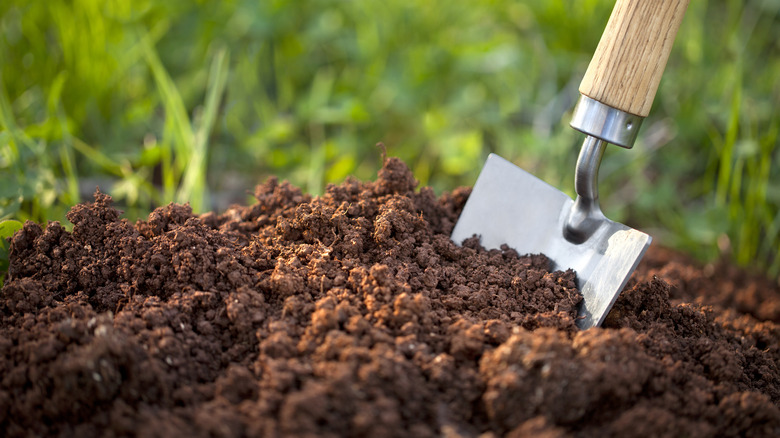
x,y
510,206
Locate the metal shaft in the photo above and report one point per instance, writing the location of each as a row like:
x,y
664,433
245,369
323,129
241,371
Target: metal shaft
x,y
586,216
602,124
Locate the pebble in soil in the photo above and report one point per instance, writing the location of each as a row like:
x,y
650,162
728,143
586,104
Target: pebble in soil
x,y
352,314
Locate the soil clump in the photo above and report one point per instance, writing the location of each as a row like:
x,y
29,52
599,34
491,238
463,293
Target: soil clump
x,y
353,314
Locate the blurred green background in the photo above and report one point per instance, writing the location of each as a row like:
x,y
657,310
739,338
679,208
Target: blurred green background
x,y
200,100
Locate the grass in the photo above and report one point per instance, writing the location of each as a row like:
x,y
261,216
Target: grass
x,y
196,102
7,229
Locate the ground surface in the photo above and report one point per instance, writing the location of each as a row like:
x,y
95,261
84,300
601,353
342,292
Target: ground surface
x,y
353,314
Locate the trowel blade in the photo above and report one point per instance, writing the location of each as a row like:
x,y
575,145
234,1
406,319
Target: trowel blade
x,y
510,206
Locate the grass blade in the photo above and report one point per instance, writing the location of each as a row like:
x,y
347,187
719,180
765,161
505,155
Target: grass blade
x,y
176,121
193,187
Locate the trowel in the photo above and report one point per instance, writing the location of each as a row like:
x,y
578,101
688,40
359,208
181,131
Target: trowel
x,y
509,206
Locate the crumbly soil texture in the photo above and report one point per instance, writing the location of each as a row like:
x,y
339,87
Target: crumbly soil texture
x,y
352,314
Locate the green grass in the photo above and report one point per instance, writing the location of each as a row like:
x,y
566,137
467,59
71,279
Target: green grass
x,y
191,101
7,229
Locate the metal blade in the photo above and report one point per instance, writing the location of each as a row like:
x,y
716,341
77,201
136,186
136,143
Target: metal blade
x,y
510,206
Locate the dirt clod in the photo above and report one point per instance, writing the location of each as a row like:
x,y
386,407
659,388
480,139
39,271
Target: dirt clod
x,y
353,314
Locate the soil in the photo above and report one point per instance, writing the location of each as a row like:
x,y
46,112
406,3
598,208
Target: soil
x,y
353,314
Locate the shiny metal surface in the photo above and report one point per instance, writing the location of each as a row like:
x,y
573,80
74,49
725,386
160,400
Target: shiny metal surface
x,y
585,216
606,123
510,206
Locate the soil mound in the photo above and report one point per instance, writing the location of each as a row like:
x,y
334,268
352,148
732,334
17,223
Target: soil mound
x,y
352,314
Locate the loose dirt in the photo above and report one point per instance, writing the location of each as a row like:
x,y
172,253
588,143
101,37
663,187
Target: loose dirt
x,y
352,314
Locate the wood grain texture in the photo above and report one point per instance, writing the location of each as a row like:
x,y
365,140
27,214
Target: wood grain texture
x,y
631,57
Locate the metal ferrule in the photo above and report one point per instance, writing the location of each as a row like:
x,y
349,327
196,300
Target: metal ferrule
x,y
612,125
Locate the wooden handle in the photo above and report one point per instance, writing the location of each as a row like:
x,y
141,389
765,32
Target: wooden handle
x,y
626,69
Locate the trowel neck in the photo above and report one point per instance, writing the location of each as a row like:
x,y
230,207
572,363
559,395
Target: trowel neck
x,y
585,216
602,124
605,123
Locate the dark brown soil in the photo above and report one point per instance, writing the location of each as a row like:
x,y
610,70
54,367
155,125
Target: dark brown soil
x,y
352,314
